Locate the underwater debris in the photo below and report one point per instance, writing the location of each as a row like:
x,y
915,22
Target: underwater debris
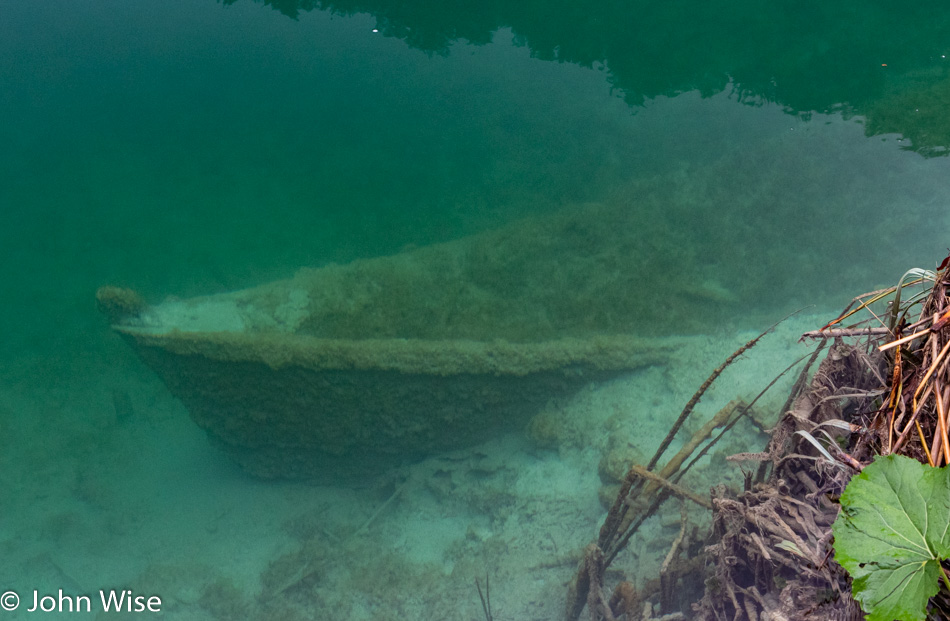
x,y
768,552
641,493
485,598
882,388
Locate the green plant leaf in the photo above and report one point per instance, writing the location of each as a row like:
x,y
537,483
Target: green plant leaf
x,y
892,533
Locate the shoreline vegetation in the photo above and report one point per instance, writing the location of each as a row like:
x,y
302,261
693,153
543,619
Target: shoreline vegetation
x,y
805,536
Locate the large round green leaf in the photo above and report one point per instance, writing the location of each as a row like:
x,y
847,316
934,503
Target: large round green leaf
x,y
892,533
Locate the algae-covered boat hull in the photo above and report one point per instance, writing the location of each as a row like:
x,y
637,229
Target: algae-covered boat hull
x,y
352,368
326,409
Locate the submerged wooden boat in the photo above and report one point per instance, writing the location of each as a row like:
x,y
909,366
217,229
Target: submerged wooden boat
x,y
347,370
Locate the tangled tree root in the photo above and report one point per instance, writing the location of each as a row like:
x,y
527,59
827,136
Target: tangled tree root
x,y
882,387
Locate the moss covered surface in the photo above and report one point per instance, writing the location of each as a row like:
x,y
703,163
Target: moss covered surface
x,y
587,271
294,420
355,368
412,356
348,369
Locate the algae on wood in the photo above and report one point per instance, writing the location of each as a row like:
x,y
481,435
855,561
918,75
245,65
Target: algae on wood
x,y
349,369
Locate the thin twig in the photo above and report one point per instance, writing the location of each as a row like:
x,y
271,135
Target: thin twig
x,y
876,295
379,510
942,423
923,443
901,341
678,490
705,386
742,409
913,420
840,332
930,371
486,598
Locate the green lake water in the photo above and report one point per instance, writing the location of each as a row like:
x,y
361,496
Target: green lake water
x,y
205,147
775,155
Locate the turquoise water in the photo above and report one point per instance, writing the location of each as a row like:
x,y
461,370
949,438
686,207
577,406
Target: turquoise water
x,y
782,156
210,147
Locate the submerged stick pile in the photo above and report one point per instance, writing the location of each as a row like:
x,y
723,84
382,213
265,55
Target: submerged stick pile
x,y
882,387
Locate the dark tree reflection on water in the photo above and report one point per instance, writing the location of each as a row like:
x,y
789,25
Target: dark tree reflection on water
x,y
877,59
